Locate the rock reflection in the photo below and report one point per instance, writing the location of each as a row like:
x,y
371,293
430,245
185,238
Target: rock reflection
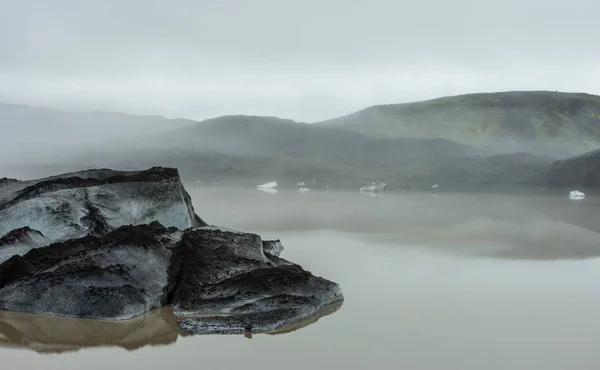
x,y
52,335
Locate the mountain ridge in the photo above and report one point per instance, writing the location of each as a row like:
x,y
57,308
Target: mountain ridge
x,y
549,122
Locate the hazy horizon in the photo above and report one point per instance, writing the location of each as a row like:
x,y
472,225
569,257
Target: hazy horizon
x,y
305,61
233,114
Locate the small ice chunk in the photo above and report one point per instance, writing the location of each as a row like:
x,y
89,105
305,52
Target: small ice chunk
x,y
303,190
269,185
300,183
435,186
375,187
576,195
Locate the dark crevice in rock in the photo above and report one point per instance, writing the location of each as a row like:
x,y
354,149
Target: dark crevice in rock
x,y
93,220
15,269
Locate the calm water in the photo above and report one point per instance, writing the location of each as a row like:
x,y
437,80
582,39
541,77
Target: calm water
x,y
446,282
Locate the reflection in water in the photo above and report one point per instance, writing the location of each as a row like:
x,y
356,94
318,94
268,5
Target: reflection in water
x,y
532,226
49,334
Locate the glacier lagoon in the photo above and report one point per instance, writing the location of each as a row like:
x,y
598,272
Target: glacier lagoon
x,y
456,281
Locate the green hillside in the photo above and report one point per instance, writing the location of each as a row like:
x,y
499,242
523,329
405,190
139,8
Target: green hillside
x,y
563,123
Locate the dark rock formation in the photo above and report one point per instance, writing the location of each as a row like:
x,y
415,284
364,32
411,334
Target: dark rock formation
x,y
18,236
6,180
102,253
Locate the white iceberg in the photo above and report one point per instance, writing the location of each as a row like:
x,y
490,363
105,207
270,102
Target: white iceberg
x,y
269,185
576,195
303,190
435,186
375,187
300,183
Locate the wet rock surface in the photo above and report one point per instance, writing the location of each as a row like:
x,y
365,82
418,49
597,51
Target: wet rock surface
x,y
83,246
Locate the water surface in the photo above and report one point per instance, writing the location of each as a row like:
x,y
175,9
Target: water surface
x,y
446,282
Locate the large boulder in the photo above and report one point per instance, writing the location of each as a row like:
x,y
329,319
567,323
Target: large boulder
x,y
94,202
114,245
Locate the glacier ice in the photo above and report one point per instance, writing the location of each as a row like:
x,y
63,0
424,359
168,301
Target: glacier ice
x,y
576,195
114,245
374,187
303,190
268,185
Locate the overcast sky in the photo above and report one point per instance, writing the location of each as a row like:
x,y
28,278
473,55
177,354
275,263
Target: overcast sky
x,y
307,59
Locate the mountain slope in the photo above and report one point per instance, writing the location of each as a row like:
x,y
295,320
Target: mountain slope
x,y
248,150
537,121
582,171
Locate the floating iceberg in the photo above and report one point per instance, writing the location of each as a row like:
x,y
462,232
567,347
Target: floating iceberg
x,y
303,190
375,187
114,245
576,195
269,185
300,183
435,186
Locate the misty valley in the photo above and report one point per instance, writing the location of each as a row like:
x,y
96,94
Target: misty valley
x,y
464,227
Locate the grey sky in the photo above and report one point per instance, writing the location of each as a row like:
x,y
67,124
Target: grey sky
x,y
306,60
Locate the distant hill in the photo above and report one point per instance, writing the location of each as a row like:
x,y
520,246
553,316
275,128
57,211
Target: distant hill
x,y
582,171
250,150
539,121
37,133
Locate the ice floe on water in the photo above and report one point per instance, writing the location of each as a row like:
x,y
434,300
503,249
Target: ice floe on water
x,y
375,187
576,195
303,190
269,187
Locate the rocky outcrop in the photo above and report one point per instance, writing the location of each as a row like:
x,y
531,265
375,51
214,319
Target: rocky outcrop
x,y
74,205
6,180
114,245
